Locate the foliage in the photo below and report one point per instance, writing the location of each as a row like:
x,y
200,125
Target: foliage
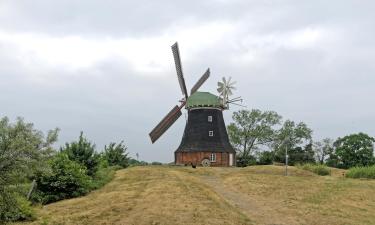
x,y
243,161
156,163
116,155
103,176
14,207
134,162
354,150
252,129
265,158
323,149
319,169
67,179
23,151
84,153
362,172
290,137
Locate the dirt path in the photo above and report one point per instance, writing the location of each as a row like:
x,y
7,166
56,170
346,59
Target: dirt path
x,y
254,209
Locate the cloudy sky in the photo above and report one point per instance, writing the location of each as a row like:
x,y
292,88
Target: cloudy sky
x,y
106,67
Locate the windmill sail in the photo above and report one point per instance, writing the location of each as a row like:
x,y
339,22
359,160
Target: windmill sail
x,y
177,60
165,123
199,83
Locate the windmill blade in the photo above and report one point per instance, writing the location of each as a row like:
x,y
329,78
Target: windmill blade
x,y
177,61
203,79
165,123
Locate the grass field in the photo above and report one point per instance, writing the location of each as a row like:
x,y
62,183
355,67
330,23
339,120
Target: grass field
x,y
253,195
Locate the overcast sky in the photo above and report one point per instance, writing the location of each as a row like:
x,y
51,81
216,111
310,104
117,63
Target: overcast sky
x,y
106,67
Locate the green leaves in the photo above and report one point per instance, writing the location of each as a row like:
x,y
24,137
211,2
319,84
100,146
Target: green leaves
x,y
116,155
355,150
252,129
83,152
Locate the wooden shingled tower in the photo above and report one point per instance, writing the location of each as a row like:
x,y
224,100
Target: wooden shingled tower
x,y
205,140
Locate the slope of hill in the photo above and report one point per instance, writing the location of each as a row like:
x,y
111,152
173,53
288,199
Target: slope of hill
x,y
253,195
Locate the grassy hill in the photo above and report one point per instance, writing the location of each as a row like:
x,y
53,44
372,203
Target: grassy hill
x,y
253,195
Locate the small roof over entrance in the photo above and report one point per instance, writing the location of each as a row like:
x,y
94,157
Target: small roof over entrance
x,y
203,99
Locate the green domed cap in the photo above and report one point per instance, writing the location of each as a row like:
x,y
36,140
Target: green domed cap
x,y
203,99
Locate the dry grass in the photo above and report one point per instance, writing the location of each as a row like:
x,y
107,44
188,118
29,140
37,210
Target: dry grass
x,y
253,195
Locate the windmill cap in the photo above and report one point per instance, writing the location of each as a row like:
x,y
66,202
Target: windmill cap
x,y
203,99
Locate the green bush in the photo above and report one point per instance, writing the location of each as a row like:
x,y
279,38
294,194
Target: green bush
x,y
67,179
265,158
319,169
83,152
14,207
116,155
103,176
362,172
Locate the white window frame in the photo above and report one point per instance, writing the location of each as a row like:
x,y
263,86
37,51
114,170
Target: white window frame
x,y
210,119
211,133
213,157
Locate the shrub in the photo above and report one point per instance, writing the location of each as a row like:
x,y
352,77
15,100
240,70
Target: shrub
x,y
266,158
246,161
84,153
14,207
156,163
362,172
67,179
319,169
116,155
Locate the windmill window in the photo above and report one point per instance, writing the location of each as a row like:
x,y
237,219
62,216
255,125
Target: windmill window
x,y
211,133
213,157
209,118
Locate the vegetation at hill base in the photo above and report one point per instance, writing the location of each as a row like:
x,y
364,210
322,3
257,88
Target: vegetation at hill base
x,y
319,169
26,155
367,172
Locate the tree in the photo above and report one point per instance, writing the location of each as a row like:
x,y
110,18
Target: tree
x,y
252,129
23,151
289,137
354,150
323,149
116,154
84,153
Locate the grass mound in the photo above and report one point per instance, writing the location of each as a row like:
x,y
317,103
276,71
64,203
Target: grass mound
x,y
362,172
319,169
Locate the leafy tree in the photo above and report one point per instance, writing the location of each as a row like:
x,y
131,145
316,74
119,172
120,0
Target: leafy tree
x,y
354,150
290,136
23,151
116,155
66,179
252,129
84,153
323,149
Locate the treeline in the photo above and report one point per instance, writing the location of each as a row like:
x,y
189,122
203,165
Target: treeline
x,y
262,137
29,161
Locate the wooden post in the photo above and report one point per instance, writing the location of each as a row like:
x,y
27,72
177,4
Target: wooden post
x,y
33,184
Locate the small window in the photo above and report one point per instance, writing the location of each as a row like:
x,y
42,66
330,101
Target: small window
x,y
213,157
209,118
211,133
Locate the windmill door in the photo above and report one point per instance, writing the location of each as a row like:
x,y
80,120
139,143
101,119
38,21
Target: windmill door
x,y
230,159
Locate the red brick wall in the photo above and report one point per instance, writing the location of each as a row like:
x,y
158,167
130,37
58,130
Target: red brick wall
x,y
186,158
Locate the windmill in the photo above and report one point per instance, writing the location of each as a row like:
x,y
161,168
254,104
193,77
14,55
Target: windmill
x,y
205,140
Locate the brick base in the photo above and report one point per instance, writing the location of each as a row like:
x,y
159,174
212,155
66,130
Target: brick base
x,y
188,158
